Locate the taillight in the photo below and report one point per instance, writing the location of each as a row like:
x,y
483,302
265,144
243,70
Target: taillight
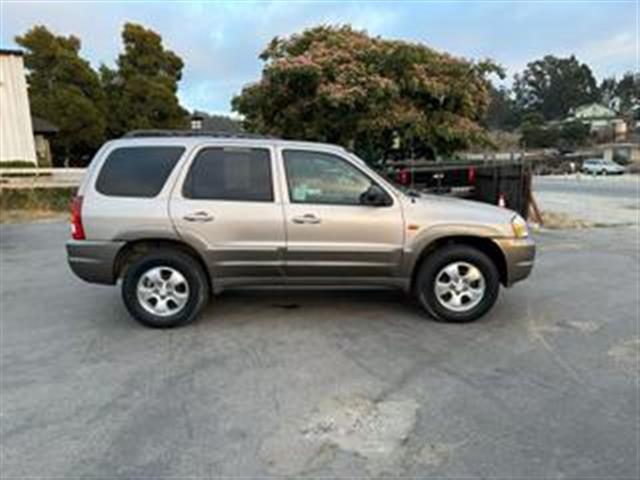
x,y
471,174
77,231
403,177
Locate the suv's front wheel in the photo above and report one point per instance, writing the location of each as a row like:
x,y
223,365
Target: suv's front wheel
x,y
165,288
457,283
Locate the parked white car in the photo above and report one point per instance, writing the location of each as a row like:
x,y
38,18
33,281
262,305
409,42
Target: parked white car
x,y
599,166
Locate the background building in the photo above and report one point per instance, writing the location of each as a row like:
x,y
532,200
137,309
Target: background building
x,y
600,118
42,131
16,133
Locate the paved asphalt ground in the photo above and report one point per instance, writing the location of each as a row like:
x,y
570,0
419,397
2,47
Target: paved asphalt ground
x,y
324,383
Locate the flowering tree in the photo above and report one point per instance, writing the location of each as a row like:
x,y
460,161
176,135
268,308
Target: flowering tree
x,y
340,85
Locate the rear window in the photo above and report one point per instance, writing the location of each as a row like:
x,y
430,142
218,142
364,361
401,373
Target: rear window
x,y
137,171
229,173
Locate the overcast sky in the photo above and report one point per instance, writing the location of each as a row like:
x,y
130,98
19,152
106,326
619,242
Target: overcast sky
x,y
219,41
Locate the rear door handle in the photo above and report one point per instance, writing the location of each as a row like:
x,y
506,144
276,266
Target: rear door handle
x,y
200,216
308,218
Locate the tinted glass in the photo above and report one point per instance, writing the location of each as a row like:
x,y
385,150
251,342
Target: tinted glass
x,y
242,174
137,171
315,177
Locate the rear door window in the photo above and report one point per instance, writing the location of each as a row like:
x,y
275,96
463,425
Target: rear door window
x,y
137,171
230,173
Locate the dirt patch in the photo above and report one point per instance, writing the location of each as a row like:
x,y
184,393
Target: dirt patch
x,y
372,430
34,215
434,455
562,221
586,326
538,328
625,354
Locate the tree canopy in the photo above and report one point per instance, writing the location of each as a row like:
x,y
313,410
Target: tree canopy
x,y
501,113
64,89
623,94
340,85
553,86
336,84
142,90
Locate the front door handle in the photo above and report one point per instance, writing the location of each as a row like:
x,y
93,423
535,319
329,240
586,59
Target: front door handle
x,y
308,218
200,216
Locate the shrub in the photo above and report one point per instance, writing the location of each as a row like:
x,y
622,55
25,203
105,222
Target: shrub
x,y
54,199
17,164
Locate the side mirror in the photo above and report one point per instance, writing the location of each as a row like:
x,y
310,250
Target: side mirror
x,y
375,197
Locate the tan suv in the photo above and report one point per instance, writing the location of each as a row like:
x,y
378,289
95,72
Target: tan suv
x,y
179,217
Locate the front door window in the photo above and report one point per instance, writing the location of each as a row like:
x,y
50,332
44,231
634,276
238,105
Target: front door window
x,y
323,178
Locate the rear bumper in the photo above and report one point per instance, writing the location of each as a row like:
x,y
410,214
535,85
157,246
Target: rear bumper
x,y
520,254
93,261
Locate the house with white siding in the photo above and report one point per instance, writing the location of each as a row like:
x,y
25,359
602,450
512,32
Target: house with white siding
x,y
599,118
16,133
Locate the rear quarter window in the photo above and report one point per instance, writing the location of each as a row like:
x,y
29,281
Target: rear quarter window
x,y
137,171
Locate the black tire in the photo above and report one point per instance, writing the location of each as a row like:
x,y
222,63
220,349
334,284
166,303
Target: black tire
x,y
435,262
198,293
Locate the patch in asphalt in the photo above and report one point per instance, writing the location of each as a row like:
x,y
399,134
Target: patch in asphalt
x,y
436,454
625,354
372,430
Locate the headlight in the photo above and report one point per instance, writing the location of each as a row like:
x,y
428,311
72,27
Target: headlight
x,y
519,225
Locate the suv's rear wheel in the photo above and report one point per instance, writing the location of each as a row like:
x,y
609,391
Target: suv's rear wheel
x,y
165,288
457,283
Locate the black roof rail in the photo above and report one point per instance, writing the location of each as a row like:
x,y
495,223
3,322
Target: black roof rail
x,y
192,133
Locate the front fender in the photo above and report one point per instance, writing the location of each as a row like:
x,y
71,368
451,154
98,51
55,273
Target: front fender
x,y
425,238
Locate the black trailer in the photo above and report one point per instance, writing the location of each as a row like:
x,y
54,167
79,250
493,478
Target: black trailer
x,y
505,183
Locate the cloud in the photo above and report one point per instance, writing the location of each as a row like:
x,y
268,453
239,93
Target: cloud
x,y
220,40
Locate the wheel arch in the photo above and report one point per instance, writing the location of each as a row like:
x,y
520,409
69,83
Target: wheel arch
x,y
136,248
483,244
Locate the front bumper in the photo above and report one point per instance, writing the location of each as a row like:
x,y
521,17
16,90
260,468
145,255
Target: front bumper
x,y
519,254
93,261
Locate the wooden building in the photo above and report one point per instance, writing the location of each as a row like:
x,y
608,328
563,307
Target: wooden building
x,y
16,132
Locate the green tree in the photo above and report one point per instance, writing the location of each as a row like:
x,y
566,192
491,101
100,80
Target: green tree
x,y
501,113
64,89
553,86
608,91
142,90
628,92
564,136
573,134
340,85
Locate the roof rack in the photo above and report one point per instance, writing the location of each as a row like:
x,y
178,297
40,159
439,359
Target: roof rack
x,y
191,133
